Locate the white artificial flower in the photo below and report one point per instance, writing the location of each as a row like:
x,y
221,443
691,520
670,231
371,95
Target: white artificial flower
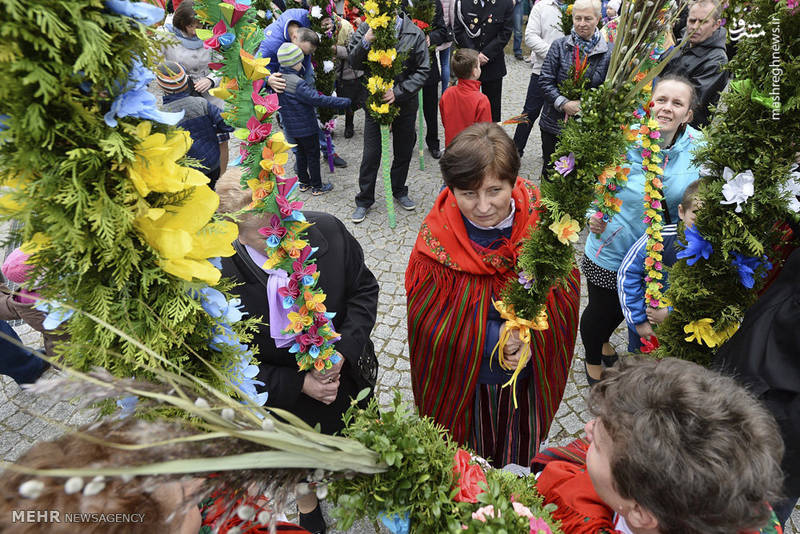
x,y
791,188
94,487
327,65
738,188
245,513
227,414
202,403
73,485
267,424
31,489
316,12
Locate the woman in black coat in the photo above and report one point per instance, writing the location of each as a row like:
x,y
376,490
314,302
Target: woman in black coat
x,y
486,26
352,293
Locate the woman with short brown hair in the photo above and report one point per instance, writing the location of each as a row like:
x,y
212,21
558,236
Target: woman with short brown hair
x,y
466,252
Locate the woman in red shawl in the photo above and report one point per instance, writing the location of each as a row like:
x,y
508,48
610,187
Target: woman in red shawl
x,y
465,253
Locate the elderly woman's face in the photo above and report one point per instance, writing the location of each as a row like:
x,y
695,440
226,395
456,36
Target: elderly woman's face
x,y
487,205
584,22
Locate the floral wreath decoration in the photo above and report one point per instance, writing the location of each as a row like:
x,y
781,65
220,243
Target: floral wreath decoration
x,y
265,155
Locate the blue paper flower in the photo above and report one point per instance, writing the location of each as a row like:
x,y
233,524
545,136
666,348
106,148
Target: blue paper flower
x,y
747,265
136,101
217,306
216,262
287,302
696,247
395,523
55,314
243,375
308,280
147,14
335,358
127,406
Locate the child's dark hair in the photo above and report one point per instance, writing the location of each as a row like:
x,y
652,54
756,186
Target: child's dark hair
x,y
307,35
690,195
184,15
464,62
690,445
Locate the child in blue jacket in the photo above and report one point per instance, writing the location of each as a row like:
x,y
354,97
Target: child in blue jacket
x,y
630,276
298,103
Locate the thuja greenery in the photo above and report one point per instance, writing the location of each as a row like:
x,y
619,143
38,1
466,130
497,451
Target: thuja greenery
x,y
62,63
420,479
757,129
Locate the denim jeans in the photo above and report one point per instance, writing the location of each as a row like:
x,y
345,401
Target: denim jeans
x,y
444,61
518,12
533,106
20,364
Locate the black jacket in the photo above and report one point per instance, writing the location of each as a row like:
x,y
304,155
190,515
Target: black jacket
x,y
702,64
352,293
487,29
555,70
764,355
410,41
439,34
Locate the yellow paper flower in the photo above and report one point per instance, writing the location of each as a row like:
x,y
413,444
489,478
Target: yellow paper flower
x,y
184,238
382,109
12,200
376,84
381,21
300,320
383,57
278,144
371,8
314,301
155,167
254,68
35,244
224,89
701,331
566,229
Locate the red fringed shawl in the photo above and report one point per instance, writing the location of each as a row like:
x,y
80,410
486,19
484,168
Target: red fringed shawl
x,y
450,287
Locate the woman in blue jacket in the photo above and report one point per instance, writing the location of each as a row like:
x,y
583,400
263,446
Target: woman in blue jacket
x,y
673,99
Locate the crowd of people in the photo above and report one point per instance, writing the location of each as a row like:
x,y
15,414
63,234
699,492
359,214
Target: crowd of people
x,y
673,447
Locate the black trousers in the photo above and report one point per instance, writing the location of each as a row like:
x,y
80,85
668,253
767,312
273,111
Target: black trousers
x,y
549,142
599,320
307,155
430,108
404,137
493,89
533,106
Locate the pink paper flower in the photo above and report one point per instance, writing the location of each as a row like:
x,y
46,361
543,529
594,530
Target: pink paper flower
x,y
258,130
539,526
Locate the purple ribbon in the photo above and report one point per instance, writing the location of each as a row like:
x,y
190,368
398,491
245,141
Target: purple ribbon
x,y
278,316
330,149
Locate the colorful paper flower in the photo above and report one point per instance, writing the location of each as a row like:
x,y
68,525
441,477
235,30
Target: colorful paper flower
x,y
216,38
701,331
791,189
696,247
184,238
525,280
746,267
649,344
55,314
233,11
382,109
565,164
156,167
566,229
738,188
382,57
258,131
274,232
539,526
254,68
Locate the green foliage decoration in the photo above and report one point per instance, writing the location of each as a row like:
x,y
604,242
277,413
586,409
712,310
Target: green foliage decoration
x,y
745,135
63,62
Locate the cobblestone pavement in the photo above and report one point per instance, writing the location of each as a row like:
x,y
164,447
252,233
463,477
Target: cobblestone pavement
x,y
386,252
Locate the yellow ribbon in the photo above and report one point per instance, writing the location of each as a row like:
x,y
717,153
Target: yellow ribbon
x,y
524,327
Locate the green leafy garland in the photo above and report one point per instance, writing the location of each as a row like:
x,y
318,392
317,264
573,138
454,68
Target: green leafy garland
x,y
96,196
755,133
382,58
419,486
324,56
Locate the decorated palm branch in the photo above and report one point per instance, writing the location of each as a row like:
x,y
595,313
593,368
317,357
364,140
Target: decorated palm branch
x,y
383,65
749,184
422,14
547,256
265,153
323,60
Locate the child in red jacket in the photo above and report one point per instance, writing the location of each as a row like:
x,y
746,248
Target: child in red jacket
x,y
463,104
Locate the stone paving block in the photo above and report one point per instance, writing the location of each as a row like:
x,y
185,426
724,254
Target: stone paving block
x,y
17,421
394,346
20,448
33,428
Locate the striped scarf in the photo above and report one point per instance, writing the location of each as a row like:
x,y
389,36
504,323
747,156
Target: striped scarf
x,y
585,45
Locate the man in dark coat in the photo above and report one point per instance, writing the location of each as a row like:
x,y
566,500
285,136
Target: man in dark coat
x,y
439,34
411,45
764,355
486,26
351,293
703,59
